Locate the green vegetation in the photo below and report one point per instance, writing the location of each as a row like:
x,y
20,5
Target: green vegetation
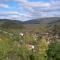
x,y
34,44
53,52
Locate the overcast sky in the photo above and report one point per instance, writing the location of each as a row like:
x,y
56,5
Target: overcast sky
x,y
29,9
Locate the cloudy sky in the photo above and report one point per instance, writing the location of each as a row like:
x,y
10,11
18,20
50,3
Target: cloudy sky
x,y
29,9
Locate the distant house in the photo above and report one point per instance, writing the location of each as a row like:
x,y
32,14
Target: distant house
x,y
37,34
44,34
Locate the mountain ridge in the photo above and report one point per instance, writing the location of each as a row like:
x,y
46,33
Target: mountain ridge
x,y
33,21
43,20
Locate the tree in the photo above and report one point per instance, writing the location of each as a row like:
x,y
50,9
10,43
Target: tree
x,y
53,51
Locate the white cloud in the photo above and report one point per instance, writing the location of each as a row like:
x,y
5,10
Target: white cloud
x,y
33,4
38,4
4,6
9,13
30,5
14,15
29,10
17,17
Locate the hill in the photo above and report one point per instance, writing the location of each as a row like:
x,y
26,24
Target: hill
x,y
11,25
43,20
33,21
30,24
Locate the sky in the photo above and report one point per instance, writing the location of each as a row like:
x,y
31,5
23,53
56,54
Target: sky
x,y
29,9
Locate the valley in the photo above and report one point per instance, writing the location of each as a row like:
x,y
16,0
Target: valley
x,y
37,39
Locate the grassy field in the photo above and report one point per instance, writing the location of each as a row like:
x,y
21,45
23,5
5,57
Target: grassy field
x,y
29,41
